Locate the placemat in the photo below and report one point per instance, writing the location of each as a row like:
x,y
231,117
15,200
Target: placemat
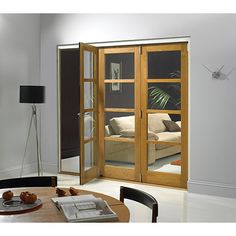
x,y
16,206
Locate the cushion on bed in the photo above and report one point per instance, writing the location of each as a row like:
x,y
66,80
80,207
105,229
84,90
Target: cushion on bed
x,y
155,122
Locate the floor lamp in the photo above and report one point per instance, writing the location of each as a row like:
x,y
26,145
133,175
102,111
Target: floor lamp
x,y
33,95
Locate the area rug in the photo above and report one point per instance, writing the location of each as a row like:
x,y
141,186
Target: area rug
x,y
177,163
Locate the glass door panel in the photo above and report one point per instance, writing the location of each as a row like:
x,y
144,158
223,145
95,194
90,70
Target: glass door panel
x,y
88,64
116,122
88,95
120,139
164,158
89,156
164,64
164,140
164,96
89,125
119,66
119,95
120,154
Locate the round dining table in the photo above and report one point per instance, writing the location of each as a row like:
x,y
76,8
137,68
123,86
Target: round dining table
x,y
48,212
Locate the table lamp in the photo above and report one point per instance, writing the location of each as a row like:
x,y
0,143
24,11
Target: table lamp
x,y
33,95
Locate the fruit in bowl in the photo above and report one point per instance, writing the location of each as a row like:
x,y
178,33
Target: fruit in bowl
x,y
8,195
23,195
28,198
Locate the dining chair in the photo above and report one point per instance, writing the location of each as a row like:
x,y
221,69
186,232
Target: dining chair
x,y
141,197
34,181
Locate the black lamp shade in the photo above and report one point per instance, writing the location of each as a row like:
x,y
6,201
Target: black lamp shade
x,y
32,94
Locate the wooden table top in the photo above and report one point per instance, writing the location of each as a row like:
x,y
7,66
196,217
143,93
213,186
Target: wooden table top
x,y
49,213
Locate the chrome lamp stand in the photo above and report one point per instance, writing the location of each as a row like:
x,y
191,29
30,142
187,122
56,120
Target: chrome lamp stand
x,y
39,161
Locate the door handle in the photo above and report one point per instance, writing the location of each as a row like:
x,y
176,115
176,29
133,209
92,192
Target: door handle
x,y
140,114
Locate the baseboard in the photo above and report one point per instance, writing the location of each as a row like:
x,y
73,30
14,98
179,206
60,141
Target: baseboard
x,y
212,188
15,171
28,169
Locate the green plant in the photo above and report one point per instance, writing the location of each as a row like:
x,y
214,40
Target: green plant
x,y
160,98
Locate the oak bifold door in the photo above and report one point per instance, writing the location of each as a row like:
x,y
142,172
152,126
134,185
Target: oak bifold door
x,y
125,113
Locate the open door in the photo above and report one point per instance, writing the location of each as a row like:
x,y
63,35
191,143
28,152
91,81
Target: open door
x,y
88,113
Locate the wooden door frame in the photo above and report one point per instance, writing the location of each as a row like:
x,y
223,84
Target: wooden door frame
x,y
61,47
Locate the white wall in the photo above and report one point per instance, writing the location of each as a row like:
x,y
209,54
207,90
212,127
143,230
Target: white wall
x,y
212,110
19,65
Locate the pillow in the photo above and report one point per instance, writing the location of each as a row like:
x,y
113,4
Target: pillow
x,y
108,131
122,123
130,133
171,126
178,123
155,122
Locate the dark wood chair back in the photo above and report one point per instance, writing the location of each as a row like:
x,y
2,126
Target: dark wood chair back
x,y
34,181
141,197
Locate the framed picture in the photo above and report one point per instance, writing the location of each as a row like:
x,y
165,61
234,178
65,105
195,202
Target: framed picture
x,y
116,74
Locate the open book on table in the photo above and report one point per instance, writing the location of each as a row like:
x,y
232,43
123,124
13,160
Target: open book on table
x,y
85,208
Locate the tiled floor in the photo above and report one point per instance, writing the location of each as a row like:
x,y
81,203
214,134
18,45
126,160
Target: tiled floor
x,y
174,205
